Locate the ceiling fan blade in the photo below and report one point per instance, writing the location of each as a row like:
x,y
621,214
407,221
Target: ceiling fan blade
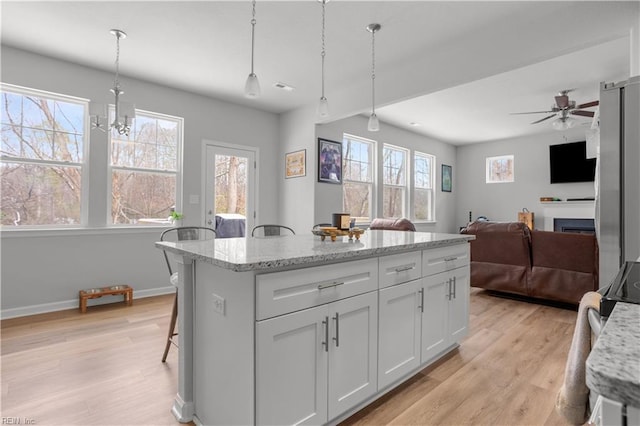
x,y
589,104
543,119
532,112
562,101
582,113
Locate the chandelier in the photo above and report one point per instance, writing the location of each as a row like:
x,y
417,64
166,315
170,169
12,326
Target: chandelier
x,y
252,86
323,105
124,112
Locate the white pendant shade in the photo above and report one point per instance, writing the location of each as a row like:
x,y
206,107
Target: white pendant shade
x,y
323,108
252,86
374,124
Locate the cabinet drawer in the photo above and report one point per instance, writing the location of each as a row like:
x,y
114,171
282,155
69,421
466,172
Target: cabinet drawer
x,y
400,268
444,259
283,292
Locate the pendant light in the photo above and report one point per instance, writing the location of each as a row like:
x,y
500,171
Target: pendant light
x,y
252,86
374,124
125,112
323,105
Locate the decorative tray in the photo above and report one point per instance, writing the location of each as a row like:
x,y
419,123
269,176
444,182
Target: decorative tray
x,y
333,233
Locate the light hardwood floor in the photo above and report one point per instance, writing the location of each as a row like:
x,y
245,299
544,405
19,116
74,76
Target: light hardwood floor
x,y
103,368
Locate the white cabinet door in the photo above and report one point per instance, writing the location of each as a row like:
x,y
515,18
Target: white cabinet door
x,y
399,331
435,318
353,351
291,368
459,305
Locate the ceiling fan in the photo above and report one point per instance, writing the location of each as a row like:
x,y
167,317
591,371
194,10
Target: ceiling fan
x,y
563,109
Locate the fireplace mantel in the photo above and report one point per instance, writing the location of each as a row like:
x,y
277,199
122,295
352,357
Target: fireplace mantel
x,y
583,209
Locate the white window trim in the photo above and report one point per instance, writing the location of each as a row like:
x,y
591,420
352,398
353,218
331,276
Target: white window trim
x,y
84,165
373,203
178,172
433,160
406,203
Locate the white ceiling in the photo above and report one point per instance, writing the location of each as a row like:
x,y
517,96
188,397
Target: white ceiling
x,y
457,68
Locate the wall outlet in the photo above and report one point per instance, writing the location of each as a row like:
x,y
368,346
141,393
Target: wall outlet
x,y
218,303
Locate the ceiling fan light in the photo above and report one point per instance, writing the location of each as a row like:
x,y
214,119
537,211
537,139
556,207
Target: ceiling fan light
x,y
374,124
563,123
252,86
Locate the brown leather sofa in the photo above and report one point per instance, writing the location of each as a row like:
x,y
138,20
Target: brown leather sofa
x,y
508,257
402,224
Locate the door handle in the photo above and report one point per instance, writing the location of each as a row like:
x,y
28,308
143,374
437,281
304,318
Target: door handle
x,y
337,338
421,291
325,322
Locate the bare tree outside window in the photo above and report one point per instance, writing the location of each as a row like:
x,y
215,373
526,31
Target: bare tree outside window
x,y
424,194
394,167
231,184
500,169
144,167
358,176
42,157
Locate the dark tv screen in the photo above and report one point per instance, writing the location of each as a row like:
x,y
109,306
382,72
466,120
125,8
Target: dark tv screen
x,y
569,163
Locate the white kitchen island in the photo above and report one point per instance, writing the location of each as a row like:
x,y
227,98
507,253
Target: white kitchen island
x,y
289,330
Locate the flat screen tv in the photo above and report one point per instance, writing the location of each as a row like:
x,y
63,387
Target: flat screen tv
x,y
569,163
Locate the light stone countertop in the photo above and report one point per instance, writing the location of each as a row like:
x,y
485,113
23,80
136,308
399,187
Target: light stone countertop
x,y
613,366
259,254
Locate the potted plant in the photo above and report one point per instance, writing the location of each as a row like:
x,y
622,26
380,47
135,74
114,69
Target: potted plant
x,y
175,217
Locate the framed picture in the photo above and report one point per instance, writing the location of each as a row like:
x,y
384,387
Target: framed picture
x,y
446,178
329,161
295,164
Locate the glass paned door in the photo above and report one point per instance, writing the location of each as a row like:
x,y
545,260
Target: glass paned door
x,y
230,191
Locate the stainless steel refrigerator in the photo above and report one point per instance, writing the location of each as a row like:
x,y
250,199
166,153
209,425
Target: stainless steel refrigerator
x,y
618,182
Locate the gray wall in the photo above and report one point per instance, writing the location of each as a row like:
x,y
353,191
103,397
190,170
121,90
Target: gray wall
x,y
503,201
48,268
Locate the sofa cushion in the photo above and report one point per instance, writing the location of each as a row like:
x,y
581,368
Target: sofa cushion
x,y
564,265
500,256
401,224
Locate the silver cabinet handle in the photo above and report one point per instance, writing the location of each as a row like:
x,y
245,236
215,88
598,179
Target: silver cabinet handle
x,y
449,295
325,322
405,268
454,287
337,338
449,259
421,291
329,285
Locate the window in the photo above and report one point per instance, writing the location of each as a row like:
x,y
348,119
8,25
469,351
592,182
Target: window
x,y
144,169
358,166
42,157
424,194
500,169
394,171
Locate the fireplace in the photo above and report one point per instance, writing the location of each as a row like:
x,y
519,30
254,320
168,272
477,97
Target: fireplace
x,y
576,225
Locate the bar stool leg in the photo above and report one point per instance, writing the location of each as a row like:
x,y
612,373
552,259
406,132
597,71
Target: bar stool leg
x,y
172,327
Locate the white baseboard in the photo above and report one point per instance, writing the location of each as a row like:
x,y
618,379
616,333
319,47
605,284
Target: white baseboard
x,y
73,304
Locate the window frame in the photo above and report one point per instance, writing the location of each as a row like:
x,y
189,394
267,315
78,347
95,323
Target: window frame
x,y
178,172
83,165
405,203
414,188
373,164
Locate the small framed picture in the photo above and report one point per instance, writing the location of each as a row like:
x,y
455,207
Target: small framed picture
x,y
446,178
295,164
329,161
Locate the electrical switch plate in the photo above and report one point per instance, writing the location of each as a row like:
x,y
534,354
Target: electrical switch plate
x,y
218,304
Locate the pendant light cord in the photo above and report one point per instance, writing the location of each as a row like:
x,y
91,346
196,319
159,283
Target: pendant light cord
x,y
253,32
116,82
373,71
322,54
